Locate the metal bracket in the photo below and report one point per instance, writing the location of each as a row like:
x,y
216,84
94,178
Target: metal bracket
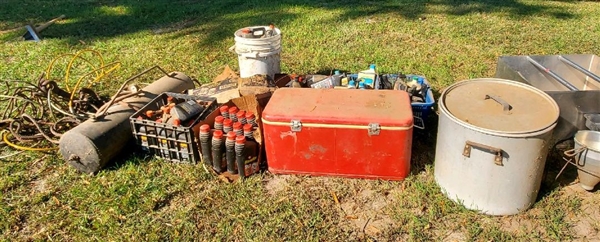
x,y
296,125
374,129
496,151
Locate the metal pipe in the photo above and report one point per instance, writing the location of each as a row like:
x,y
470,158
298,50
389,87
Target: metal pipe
x,y
94,143
579,68
562,81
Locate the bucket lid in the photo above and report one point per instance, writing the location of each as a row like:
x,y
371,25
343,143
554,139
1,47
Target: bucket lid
x,y
499,105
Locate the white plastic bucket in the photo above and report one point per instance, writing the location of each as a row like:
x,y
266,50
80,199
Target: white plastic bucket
x,y
258,55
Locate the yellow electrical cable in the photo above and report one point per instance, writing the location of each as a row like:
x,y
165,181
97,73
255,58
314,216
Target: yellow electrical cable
x,y
72,60
52,63
99,71
70,64
5,139
116,65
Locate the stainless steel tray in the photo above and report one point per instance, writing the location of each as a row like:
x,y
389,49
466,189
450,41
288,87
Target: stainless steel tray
x,y
571,80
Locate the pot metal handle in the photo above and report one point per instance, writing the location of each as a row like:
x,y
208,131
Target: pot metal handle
x,y
574,152
571,154
505,105
496,151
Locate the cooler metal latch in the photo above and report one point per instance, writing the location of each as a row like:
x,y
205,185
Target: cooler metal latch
x,y
296,125
374,129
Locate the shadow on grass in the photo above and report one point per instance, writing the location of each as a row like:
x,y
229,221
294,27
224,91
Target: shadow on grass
x,y
130,154
217,20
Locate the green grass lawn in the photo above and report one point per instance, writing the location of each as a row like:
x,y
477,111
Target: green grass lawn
x,y
139,198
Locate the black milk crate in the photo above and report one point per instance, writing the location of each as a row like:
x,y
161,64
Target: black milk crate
x,y
175,144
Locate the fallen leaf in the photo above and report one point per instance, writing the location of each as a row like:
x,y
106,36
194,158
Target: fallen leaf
x,y
56,200
335,198
372,229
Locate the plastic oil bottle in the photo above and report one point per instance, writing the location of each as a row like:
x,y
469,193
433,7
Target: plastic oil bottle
x,y
368,76
186,110
351,84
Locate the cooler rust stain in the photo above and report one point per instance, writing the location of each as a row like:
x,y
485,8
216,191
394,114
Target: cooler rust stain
x,y
307,155
317,149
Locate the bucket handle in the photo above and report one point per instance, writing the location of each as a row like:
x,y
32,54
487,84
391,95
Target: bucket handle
x,y
254,55
571,154
232,49
496,151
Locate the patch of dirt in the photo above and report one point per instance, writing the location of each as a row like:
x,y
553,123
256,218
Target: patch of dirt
x,y
455,236
279,183
39,185
367,217
366,214
586,223
515,224
362,205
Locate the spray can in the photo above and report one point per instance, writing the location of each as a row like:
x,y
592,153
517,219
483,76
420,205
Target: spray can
x,y
248,131
187,110
223,110
227,125
180,143
251,119
144,132
237,128
219,123
230,152
240,142
163,142
205,144
241,116
217,155
232,113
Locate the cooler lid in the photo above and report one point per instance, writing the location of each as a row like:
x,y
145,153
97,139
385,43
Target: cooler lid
x,y
500,105
340,106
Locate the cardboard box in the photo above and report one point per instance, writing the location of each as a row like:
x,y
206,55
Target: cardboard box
x,y
224,87
254,85
252,103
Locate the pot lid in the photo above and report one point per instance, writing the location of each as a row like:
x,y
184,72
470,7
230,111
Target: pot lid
x,y
500,105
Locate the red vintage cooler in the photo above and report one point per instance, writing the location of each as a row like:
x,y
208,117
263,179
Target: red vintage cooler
x,y
339,132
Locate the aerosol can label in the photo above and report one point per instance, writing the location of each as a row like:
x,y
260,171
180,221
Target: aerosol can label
x,y
183,150
145,143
